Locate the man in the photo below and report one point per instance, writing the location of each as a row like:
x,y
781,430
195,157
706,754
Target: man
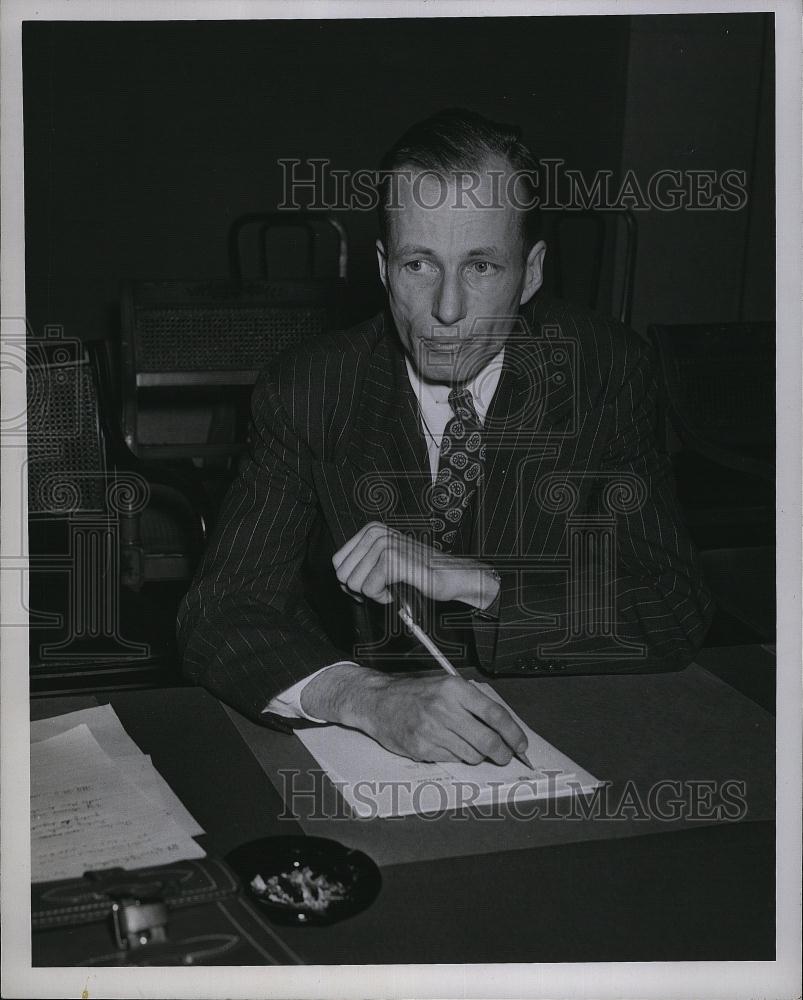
x,y
483,454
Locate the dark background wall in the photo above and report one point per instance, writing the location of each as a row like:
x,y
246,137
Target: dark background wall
x,y
699,96
144,140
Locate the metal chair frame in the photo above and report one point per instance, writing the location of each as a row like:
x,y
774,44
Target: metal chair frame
x,y
284,220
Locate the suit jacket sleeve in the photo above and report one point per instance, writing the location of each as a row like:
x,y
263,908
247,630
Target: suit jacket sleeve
x,y
244,628
661,603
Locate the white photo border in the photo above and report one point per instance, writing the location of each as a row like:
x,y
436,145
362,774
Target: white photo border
x,y
616,980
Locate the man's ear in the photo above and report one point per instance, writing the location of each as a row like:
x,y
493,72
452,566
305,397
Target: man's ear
x,y
382,260
533,271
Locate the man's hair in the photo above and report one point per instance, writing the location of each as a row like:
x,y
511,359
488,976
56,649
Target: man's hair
x,y
457,140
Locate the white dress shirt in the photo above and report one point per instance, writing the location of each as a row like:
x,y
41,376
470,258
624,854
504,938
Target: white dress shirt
x,y
434,414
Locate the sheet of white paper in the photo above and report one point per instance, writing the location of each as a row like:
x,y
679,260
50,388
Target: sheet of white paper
x,y
104,724
139,770
376,782
86,815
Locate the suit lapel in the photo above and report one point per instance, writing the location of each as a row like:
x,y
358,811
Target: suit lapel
x,y
532,412
380,475
384,469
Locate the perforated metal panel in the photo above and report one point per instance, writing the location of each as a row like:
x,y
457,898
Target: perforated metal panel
x,y
66,469
201,344
220,338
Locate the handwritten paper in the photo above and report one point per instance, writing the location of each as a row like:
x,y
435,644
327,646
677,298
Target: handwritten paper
x,y
378,783
139,770
86,814
104,724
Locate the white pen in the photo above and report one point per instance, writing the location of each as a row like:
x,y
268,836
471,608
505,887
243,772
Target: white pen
x,y
406,616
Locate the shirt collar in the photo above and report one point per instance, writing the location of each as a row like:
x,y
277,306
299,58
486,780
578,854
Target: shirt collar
x,y
482,387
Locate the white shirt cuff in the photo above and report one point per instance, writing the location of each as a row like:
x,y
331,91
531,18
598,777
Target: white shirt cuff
x,y
288,703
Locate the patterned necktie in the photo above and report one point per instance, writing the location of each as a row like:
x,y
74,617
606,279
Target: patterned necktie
x,y
460,465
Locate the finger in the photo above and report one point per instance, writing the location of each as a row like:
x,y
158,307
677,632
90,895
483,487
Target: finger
x,y
442,755
496,717
462,751
484,739
368,537
376,584
369,531
367,563
429,753
350,564
389,572
347,546
355,539
346,590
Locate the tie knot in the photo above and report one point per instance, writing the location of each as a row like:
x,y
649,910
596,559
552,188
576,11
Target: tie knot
x,y
463,406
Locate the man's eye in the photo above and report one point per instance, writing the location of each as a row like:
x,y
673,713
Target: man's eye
x,y
483,268
418,266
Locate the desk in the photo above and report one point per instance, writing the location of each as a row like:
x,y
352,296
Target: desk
x,y
705,893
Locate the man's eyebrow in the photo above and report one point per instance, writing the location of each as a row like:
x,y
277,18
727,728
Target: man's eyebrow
x,y
409,248
489,251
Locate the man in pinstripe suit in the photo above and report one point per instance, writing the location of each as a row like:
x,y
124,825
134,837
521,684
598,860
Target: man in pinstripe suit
x,y
486,452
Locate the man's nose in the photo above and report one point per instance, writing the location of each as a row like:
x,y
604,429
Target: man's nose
x,y
448,307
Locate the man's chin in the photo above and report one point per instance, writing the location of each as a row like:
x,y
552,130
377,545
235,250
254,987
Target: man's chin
x,y
450,366
442,366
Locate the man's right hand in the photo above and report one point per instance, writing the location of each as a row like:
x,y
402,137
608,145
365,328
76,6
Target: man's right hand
x,y
440,718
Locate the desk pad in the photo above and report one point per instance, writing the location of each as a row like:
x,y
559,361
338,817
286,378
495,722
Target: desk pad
x,y
680,750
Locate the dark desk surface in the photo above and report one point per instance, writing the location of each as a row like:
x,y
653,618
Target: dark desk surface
x,y
700,894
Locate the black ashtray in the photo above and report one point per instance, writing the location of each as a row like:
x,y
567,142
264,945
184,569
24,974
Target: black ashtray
x,y
306,880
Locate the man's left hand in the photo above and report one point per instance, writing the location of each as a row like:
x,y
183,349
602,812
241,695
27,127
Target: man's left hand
x,y
378,556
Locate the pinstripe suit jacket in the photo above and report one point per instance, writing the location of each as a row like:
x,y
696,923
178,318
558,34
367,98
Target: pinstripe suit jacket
x,y
577,514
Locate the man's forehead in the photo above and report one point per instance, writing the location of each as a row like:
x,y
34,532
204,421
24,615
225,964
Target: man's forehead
x,y
489,183
474,204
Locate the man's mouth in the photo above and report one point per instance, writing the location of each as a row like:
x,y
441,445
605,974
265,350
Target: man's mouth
x,y
442,345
